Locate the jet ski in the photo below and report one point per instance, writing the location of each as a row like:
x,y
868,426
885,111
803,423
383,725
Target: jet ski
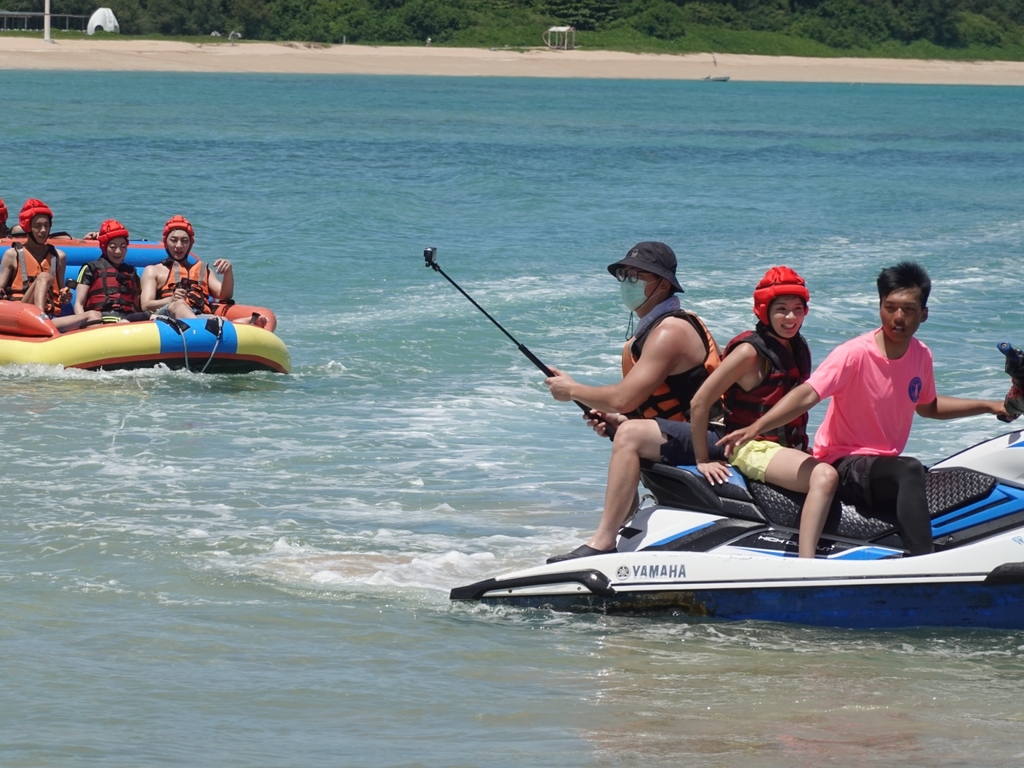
x,y
729,551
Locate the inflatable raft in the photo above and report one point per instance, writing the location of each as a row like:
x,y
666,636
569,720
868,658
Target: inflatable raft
x,y
208,344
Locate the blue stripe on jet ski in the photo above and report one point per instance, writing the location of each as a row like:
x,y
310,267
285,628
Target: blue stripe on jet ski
x,y
1001,502
680,535
868,606
865,553
861,553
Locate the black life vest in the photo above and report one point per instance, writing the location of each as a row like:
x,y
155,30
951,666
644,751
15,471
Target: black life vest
x,y
113,288
786,370
671,399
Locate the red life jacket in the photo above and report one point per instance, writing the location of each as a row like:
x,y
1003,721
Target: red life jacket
x,y
113,288
671,399
195,280
786,370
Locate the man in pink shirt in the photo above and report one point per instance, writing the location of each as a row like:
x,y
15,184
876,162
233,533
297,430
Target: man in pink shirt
x,y
877,383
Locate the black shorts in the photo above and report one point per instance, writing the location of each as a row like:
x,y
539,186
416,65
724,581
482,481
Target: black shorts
x,y
855,480
678,450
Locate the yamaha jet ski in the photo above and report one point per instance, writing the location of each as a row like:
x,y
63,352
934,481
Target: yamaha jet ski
x,y
729,551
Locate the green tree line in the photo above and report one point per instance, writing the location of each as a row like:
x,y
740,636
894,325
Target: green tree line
x,y
837,24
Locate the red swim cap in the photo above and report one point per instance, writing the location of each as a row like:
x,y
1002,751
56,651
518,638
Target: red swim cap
x,y
30,210
3,211
778,281
110,229
179,222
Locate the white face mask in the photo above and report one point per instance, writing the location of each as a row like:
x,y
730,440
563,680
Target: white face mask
x,y
633,294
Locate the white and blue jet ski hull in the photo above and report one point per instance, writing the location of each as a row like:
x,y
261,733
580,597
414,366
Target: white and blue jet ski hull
x,y
732,555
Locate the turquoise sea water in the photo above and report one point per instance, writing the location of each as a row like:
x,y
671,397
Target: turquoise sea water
x,y
254,570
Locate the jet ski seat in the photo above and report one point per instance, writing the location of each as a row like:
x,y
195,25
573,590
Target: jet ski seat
x,y
685,487
947,490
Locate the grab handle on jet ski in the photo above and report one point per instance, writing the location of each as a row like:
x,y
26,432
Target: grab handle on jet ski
x,y
430,257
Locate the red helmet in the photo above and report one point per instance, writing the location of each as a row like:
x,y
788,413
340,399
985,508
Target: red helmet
x,y
179,222
3,211
30,210
110,229
778,281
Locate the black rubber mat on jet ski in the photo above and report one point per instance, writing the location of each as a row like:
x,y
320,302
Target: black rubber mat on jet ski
x,y
782,507
947,489
950,489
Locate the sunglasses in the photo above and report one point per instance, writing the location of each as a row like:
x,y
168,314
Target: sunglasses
x,y
631,275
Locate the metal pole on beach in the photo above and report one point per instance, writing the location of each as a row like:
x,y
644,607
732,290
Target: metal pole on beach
x,y
46,22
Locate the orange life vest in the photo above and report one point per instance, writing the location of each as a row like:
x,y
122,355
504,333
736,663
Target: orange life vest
x,y
195,280
671,398
28,270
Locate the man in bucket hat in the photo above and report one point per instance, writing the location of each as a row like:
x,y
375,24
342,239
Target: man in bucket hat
x,y
663,365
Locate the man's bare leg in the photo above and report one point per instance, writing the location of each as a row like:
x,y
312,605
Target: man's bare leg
x,y
636,439
180,310
70,322
39,291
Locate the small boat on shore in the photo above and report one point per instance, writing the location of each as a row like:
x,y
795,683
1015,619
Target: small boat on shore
x,y
207,344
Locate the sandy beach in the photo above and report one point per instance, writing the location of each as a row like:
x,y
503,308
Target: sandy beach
x,y
300,58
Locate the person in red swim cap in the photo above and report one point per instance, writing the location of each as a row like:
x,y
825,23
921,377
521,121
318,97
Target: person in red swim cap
x,y
108,286
33,272
182,286
759,368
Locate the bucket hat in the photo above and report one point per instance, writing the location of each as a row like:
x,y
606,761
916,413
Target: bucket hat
x,y
649,256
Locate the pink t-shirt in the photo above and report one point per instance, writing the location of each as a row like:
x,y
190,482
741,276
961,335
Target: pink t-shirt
x,y
873,398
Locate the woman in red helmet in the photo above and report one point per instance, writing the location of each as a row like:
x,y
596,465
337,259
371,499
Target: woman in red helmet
x,y
758,369
107,287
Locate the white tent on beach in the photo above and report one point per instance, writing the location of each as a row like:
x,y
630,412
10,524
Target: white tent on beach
x,y
103,19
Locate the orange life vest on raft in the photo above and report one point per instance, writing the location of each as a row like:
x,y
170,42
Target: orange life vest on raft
x,y
28,270
195,280
671,398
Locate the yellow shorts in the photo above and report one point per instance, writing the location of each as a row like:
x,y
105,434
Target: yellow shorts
x,y
752,458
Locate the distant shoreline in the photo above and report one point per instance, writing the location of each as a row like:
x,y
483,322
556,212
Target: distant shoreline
x,y
128,55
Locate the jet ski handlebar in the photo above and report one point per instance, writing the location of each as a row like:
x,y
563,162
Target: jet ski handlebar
x,y
1014,403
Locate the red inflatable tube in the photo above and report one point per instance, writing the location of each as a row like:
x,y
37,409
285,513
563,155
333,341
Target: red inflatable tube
x,y
27,320
245,312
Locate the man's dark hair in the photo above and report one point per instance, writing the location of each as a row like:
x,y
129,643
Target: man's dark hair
x,y
902,277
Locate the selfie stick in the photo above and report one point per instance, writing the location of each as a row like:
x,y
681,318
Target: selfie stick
x,y
430,257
